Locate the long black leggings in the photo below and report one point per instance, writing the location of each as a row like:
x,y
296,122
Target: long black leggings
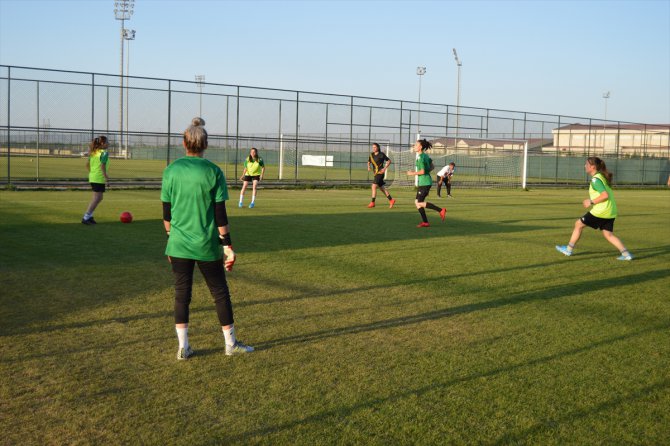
x,y
214,275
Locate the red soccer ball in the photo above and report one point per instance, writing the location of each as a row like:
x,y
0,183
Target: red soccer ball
x,y
126,217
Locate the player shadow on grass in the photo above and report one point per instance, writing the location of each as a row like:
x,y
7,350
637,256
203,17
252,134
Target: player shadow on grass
x,y
299,231
395,397
554,292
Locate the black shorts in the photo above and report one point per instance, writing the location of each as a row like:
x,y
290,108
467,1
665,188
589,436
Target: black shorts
x,y
422,193
98,187
251,178
379,179
604,224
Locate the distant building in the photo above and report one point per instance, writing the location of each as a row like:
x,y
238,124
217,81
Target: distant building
x,y
631,140
444,145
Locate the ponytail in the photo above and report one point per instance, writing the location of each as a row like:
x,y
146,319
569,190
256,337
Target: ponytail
x,y
425,145
601,168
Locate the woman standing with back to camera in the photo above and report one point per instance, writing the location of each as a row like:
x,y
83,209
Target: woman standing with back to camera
x,y
602,214
194,195
98,161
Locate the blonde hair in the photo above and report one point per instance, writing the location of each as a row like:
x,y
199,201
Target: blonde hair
x,y
195,137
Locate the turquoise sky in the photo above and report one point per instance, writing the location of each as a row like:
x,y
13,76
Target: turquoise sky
x,y
556,57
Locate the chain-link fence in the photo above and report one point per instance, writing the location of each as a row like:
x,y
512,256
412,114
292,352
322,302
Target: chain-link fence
x,y
48,117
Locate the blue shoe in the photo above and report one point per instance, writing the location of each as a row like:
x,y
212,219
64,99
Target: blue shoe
x,y
563,249
240,205
251,205
628,256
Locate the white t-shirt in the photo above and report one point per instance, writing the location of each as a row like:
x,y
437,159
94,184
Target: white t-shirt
x,y
445,171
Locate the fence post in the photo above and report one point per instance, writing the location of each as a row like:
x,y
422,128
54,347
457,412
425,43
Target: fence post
x,y
237,134
9,126
297,136
92,105
169,123
351,133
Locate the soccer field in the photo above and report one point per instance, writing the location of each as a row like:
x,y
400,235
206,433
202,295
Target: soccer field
x,y
367,329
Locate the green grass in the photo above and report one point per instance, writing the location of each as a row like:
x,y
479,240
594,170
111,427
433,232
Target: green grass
x,y
368,330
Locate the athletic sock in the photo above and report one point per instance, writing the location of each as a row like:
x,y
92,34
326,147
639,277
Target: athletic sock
x,y
253,198
241,197
87,215
389,197
570,247
433,207
229,336
182,335
422,211
373,199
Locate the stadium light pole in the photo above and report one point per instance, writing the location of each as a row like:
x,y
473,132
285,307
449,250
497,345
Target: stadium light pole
x,y
420,71
123,10
458,92
200,78
128,35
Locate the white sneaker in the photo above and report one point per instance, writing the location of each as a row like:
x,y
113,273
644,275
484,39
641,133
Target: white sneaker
x,y
238,348
184,353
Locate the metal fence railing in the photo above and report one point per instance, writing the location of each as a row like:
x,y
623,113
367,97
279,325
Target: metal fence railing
x,y
48,117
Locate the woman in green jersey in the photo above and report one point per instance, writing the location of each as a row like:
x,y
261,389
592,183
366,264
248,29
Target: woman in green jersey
x,y
97,164
425,182
254,169
604,210
194,195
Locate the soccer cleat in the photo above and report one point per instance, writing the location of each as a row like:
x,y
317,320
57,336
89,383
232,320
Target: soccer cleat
x,y
423,224
443,213
238,348
184,353
449,196
391,202
89,221
372,204
240,205
563,249
628,256
251,205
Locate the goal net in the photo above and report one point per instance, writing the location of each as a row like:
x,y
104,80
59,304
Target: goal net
x,y
479,162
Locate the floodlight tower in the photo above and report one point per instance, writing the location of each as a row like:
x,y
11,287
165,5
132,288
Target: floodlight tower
x,y
420,71
123,10
128,35
200,78
458,93
606,96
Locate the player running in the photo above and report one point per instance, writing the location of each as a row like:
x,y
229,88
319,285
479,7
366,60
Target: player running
x,y
444,177
423,163
254,169
380,163
97,165
194,195
602,214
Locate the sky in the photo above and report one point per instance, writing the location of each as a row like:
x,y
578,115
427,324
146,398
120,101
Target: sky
x,y
540,56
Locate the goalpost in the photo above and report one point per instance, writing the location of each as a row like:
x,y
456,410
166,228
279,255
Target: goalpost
x,y
502,163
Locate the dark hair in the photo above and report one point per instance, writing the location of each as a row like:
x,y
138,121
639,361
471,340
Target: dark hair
x,y
376,144
453,163
600,167
195,137
98,143
425,145
251,159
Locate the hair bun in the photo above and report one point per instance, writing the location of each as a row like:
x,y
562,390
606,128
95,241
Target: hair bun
x,y
198,122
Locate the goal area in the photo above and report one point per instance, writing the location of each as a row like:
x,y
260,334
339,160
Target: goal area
x,y
494,164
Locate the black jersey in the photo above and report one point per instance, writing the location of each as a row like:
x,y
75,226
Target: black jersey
x,y
378,160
